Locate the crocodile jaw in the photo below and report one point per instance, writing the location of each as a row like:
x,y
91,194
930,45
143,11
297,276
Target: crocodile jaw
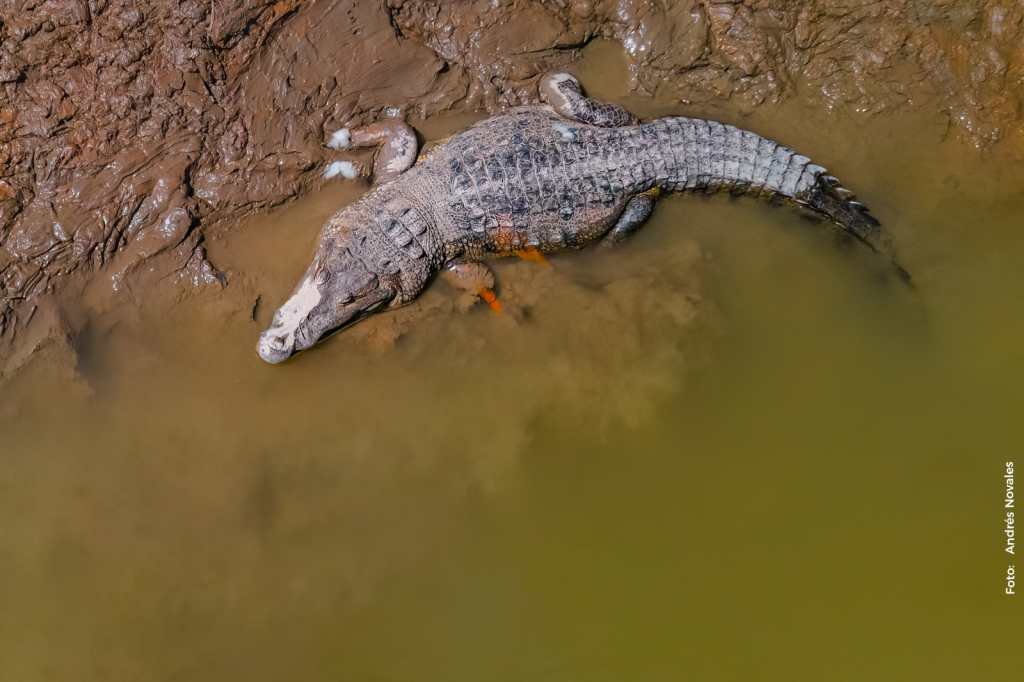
x,y
279,342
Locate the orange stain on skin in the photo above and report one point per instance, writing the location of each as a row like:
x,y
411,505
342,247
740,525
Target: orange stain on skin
x,y
503,237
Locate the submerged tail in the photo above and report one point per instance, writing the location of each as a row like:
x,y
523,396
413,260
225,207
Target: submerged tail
x,y
828,197
712,155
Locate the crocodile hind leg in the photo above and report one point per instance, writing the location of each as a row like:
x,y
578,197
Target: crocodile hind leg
x,y
637,211
475,280
396,142
565,95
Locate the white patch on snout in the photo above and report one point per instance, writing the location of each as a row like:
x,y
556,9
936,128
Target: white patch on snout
x,y
340,139
345,169
567,133
290,315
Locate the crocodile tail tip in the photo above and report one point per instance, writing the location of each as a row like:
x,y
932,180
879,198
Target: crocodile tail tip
x,y
828,197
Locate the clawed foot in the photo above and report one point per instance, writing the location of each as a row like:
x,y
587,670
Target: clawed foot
x,y
476,281
396,145
344,169
340,139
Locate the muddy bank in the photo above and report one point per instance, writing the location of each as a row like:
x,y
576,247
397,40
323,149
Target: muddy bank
x,y
965,58
132,131
130,127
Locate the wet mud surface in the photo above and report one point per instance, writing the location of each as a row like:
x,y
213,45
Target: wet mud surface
x,y
133,133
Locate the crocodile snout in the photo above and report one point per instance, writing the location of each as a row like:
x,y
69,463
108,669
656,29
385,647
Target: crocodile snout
x,y
275,347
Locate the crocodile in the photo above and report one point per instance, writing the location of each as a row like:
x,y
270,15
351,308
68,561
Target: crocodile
x,y
558,175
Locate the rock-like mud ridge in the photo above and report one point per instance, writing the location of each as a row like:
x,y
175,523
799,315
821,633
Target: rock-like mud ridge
x,y
129,127
963,57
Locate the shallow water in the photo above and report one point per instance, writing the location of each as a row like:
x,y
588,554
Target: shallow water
x,y
728,449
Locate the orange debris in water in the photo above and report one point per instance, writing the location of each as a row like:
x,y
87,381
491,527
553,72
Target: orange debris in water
x,y
491,300
533,255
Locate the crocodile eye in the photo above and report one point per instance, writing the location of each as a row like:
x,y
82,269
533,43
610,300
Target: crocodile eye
x,y
322,276
368,285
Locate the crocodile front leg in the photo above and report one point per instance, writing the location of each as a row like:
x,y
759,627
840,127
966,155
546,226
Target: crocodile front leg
x,y
396,153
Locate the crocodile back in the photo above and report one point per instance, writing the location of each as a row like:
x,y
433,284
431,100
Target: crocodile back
x,y
532,179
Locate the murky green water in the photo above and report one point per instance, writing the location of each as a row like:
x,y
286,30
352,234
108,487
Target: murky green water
x,y
728,450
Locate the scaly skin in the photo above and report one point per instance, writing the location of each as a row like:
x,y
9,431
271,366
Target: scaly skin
x,y
543,177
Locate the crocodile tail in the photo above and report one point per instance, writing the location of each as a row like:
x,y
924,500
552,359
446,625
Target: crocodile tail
x,y
710,155
827,197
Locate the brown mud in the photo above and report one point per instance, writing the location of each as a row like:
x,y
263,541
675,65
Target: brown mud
x,y
134,133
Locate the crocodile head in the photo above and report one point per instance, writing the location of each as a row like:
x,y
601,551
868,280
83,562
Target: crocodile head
x,y
336,291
